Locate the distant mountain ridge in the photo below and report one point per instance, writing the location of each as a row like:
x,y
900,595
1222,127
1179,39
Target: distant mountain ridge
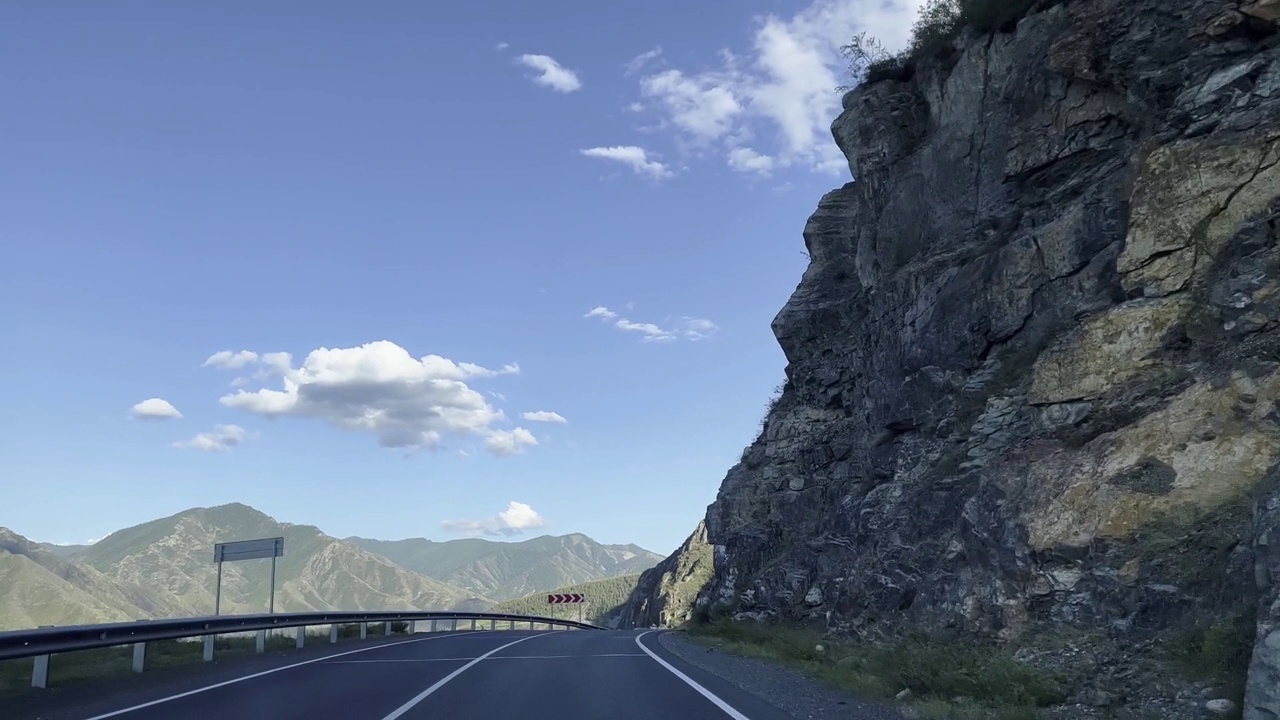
x,y
164,568
509,570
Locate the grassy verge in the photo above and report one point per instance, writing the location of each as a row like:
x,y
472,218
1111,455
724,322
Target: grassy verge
x,y
947,680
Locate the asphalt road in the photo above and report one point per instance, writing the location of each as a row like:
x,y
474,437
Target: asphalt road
x,y
566,675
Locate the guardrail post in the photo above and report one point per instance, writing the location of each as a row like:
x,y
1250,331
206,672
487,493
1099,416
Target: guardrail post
x,y
454,625
261,644
433,625
364,630
386,629
493,623
139,657
511,624
333,633
413,627
208,648
301,640
473,624
40,672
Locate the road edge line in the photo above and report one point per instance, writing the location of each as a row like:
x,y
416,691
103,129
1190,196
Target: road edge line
x,y
724,706
440,683
233,681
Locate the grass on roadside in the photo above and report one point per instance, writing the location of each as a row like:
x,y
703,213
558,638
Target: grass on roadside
x,y
948,680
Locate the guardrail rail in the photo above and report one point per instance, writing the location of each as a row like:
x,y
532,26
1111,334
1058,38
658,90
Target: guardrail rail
x,y
42,643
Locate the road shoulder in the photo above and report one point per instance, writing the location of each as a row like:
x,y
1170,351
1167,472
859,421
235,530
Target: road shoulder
x,y
788,690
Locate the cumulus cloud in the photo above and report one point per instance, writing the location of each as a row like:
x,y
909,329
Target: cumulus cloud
x,y
783,91
221,439
544,416
504,443
155,409
635,157
689,328
551,73
379,388
516,519
229,360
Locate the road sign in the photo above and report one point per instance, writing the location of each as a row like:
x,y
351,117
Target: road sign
x,y
247,550
557,598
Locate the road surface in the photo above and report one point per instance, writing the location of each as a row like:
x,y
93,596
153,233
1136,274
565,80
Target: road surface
x,y
565,675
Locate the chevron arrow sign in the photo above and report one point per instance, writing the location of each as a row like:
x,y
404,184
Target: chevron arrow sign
x,y
558,598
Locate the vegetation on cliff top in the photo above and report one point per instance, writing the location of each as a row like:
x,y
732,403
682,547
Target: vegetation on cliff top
x,y
938,26
605,599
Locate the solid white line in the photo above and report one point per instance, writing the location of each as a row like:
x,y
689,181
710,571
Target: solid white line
x,y
503,657
268,672
726,707
439,684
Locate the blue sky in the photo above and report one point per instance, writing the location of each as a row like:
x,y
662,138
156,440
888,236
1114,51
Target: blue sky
x,y
403,269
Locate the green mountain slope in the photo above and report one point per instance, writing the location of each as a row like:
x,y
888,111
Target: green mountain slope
x,y
174,555
508,570
604,601
38,587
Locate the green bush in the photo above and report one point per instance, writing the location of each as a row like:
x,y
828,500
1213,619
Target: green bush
x,y
934,33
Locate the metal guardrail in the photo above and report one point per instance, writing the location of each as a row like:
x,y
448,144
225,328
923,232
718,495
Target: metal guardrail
x,y
40,643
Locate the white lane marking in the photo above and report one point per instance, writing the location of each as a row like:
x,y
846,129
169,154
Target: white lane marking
x,y
268,672
440,683
726,707
501,657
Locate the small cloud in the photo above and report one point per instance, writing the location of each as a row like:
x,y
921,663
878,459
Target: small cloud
x,y
155,409
228,360
651,332
505,443
463,454
516,519
601,312
636,157
689,328
744,159
221,439
544,416
551,73
636,107
501,46
697,328
638,62
497,396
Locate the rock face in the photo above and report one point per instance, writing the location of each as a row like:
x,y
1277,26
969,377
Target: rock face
x,y
1034,366
666,593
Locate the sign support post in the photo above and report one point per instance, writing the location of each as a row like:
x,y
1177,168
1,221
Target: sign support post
x,y
247,550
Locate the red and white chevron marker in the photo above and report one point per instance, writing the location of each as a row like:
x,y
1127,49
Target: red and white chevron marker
x,y
559,598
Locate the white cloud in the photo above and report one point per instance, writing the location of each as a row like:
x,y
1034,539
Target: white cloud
x,y
651,332
638,62
689,328
381,389
601,312
155,409
697,328
229,360
551,73
744,159
636,157
504,443
516,519
784,90
501,46
544,416
635,107
221,439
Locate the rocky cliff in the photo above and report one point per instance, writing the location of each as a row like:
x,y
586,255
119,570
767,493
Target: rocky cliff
x,y
1034,365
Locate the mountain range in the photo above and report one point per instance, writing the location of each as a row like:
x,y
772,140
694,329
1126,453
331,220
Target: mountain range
x,y
164,568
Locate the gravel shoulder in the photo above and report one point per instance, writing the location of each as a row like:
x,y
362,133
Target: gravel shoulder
x,y
786,689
